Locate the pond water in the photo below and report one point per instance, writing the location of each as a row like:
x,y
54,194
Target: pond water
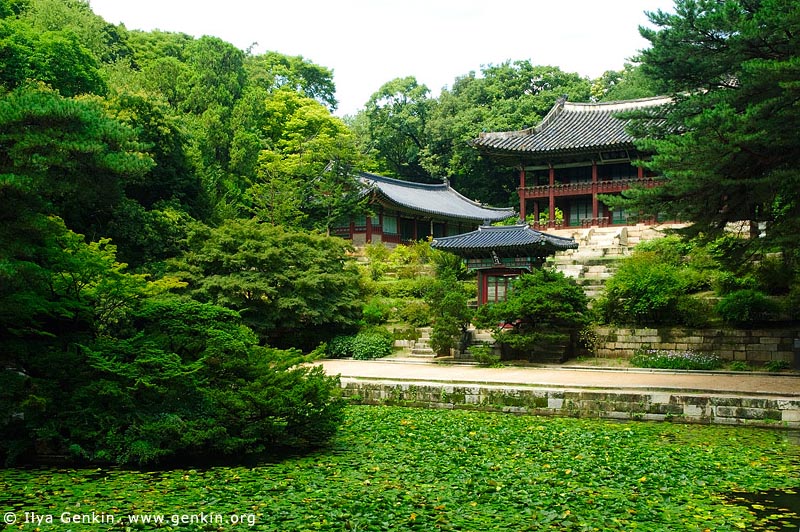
x,y
400,469
775,510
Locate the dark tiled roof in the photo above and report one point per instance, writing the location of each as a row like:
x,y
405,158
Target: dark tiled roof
x,y
570,127
439,199
506,240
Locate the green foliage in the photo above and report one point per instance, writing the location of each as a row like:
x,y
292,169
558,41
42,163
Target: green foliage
x,y
340,346
449,304
55,58
776,365
485,355
544,216
101,363
724,145
746,308
512,473
372,343
68,153
543,307
396,117
303,177
275,71
376,312
416,313
665,359
739,365
368,344
644,290
295,289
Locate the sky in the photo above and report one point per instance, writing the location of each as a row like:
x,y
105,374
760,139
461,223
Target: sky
x,y
367,43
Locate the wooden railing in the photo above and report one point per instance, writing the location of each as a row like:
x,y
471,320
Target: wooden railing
x,y
587,187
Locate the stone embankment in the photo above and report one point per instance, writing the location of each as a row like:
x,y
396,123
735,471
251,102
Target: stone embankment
x,y
760,400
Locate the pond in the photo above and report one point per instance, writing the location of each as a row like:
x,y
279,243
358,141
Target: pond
x,y
411,469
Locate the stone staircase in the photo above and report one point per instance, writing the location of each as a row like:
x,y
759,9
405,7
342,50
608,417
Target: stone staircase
x,y
598,253
422,348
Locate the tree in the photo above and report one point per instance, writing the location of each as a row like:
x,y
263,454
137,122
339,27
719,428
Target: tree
x,y
68,153
397,116
509,96
103,365
304,175
543,313
726,146
295,289
272,71
449,303
56,58
627,84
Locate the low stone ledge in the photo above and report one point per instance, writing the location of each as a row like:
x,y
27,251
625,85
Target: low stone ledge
x,y
608,404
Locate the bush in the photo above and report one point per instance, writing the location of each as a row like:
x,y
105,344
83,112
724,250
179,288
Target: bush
x,y
416,313
544,307
372,343
485,355
340,346
644,291
663,359
746,308
376,312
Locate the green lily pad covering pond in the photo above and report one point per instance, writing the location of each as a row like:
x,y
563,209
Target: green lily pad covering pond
x,y
412,469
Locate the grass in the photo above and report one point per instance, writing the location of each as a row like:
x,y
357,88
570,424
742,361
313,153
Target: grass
x,y
410,469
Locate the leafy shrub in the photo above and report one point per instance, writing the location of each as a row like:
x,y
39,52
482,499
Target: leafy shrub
x,y
340,346
671,249
375,342
405,288
693,311
644,291
739,365
664,359
543,307
451,314
725,282
776,365
485,355
376,312
774,276
371,344
416,313
746,308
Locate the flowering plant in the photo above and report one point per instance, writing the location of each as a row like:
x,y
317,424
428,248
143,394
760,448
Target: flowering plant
x,y
666,359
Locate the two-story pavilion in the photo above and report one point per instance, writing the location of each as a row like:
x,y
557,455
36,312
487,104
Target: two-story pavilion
x,y
403,211
578,151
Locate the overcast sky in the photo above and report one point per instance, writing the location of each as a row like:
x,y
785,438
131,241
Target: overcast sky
x,y
369,42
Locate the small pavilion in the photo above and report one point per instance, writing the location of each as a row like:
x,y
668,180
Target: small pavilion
x,y
500,254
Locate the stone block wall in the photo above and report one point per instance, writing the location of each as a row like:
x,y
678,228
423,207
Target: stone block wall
x,y
773,412
756,346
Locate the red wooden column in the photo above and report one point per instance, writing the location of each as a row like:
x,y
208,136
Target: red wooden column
x,y
595,206
522,192
369,230
552,197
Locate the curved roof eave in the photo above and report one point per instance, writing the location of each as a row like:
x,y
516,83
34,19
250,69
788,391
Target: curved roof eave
x,y
433,199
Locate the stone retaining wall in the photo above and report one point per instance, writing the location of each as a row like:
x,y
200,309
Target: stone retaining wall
x,y
756,346
650,405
